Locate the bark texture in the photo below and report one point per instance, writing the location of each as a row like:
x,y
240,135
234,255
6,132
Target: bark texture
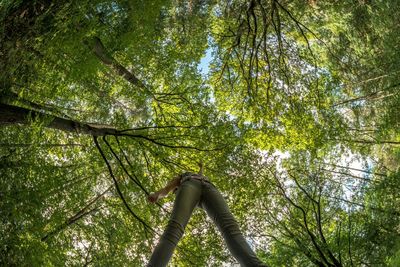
x,y
102,54
10,115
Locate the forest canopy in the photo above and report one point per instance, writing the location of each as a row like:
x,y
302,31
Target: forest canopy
x,y
292,106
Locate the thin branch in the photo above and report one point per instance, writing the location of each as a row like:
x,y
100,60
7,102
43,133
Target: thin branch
x,y
311,235
375,142
77,216
154,141
147,227
354,169
161,127
133,179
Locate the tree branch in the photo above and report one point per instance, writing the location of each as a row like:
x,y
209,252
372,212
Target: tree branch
x,y
145,225
77,216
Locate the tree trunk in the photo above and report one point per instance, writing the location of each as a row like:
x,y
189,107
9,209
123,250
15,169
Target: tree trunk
x,y
10,115
102,54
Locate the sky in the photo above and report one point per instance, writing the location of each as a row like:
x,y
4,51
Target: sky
x,y
204,66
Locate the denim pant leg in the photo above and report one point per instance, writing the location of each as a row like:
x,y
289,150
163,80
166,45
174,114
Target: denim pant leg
x,y
187,197
214,204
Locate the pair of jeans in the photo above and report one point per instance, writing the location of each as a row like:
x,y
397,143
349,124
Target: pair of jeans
x,y
192,193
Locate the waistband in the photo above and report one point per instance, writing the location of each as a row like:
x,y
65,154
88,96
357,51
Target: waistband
x,y
194,176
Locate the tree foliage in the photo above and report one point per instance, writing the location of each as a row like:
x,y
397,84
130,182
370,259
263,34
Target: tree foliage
x,y
294,114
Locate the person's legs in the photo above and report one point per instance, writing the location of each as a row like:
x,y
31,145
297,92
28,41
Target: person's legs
x,y
187,197
214,204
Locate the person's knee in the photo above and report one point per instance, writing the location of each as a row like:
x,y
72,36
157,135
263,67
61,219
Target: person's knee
x,y
174,231
228,224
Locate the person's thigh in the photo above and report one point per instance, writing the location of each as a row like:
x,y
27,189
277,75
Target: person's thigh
x,y
214,203
187,197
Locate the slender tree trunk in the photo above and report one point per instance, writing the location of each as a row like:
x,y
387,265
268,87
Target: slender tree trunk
x,y
10,115
12,98
102,54
77,216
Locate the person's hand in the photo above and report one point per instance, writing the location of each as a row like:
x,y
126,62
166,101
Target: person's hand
x,y
153,197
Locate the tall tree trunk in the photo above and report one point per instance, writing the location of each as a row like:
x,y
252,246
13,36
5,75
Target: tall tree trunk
x,y
102,54
10,115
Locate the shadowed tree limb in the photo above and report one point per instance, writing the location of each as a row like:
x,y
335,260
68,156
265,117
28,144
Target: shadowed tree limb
x,y
154,141
305,222
10,115
301,247
318,220
133,179
145,225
